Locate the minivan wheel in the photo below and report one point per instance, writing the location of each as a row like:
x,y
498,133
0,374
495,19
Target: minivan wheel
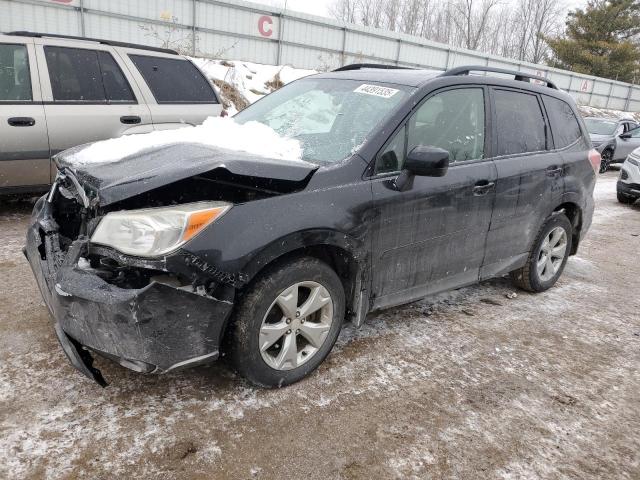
x,y
605,162
287,322
548,256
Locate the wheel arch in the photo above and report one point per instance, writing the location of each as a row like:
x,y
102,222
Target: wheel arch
x,y
574,213
344,254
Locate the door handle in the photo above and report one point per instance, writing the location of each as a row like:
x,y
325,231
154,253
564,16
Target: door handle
x,y
482,188
130,119
554,171
21,121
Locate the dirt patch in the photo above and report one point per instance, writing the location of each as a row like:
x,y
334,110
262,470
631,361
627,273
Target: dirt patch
x,y
231,96
454,386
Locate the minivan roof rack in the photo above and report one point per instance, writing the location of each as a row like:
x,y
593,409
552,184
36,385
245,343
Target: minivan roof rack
x,y
359,66
519,76
111,43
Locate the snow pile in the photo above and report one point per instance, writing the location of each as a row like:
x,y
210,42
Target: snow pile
x,y
587,111
242,83
251,137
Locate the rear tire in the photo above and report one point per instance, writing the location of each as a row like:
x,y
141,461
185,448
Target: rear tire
x,y
622,198
287,322
548,256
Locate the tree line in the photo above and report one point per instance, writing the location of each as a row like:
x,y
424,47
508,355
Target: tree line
x,y
600,39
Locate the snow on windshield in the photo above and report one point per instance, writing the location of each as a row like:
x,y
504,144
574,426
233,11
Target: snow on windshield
x,y
250,137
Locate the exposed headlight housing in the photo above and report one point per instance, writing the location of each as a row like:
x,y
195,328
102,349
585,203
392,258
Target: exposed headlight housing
x,y
151,232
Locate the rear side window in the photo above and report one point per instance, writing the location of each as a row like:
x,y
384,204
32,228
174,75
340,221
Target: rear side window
x,y
564,124
519,123
80,75
15,80
174,80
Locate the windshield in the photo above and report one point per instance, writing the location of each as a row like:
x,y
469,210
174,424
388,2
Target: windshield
x,y
330,118
600,127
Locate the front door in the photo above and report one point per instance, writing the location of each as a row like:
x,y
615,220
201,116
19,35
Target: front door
x,y
626,145
430,236
24,146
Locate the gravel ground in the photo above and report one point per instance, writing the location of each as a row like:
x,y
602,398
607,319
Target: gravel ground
x,y
470,384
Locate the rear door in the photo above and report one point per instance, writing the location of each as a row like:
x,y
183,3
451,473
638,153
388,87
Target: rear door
x,y
176,91
430,237
530,178
87,96
24,146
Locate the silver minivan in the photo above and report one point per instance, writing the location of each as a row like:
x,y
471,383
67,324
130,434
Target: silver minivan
x,y
57,92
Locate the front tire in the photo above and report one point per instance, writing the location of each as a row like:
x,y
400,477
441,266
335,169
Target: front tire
x,y
548,256
622,198
605,162
287,322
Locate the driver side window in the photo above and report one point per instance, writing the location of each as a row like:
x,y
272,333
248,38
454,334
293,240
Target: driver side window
x,y
451,120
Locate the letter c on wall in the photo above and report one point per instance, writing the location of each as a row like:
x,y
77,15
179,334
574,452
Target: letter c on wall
x,y
264,25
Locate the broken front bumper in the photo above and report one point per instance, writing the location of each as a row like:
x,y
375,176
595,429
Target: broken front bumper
x,y
153,329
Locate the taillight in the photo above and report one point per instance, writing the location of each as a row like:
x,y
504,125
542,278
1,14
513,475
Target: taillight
x,y
595,158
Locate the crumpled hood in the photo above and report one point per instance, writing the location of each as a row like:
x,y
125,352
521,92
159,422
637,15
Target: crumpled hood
x,y
111,182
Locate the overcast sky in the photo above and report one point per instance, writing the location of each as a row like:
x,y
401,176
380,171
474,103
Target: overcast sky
x,y
319,7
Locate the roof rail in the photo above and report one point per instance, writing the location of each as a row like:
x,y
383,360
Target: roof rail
x,y
358,66
519,76
111,43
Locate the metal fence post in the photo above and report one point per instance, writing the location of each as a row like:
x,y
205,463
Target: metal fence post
x,y
343,56
606,105
82,27
627,103
398,51
193,27
280,35
593,87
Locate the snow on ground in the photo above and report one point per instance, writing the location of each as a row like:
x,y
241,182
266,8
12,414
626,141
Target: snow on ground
x,y
251,137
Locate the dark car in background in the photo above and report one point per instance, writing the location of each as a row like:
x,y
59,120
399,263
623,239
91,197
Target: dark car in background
x,y
411,182
613,138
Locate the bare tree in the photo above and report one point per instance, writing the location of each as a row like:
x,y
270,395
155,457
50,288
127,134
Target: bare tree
x,y
509,28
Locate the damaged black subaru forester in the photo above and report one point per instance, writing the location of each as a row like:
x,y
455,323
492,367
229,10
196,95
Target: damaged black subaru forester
x,y
411,182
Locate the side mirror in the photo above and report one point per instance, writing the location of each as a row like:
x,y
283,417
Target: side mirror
x,y
426,161
625,135
423,161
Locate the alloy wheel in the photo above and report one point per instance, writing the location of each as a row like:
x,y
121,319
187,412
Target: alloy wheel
x,y
552,253
296,325
605,160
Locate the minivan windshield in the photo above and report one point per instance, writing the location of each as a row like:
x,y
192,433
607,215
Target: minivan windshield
x,y
330,118
597,126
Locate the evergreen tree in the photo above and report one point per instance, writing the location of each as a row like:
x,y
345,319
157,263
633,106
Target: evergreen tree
x,y
601,40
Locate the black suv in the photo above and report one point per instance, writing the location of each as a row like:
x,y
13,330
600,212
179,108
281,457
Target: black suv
x,y
410,182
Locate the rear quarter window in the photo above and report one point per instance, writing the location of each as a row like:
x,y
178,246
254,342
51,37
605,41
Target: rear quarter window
x,y
174,80
564,124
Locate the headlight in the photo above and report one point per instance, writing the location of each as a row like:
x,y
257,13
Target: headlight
x,y
155,231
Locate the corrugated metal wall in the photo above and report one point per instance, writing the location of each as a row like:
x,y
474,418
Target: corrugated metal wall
x,y
251,32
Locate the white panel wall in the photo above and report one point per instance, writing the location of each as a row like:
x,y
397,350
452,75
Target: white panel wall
x,y
241,30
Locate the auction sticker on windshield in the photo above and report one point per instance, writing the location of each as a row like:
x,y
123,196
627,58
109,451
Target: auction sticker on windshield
x,y
376,90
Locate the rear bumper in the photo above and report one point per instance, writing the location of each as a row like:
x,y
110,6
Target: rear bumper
x,y
153,329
